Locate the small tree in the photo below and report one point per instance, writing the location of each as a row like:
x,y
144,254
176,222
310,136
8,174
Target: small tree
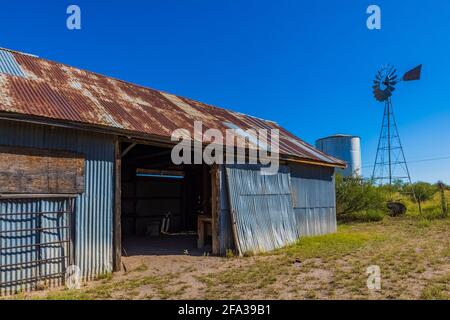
x,y
424,191
355,195
444,205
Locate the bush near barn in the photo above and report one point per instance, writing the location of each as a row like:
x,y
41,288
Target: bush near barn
x,y
361,200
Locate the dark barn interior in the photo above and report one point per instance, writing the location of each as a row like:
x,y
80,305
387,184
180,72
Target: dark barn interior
x,y
166,208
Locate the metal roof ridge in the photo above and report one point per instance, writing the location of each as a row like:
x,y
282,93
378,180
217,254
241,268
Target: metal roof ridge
x,y
19,52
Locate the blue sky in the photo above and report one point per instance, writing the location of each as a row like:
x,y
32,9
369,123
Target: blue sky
x,y
306,64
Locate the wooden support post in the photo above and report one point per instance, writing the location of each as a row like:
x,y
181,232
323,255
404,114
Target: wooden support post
x,y
117,228
201,232
215,208
206,200
134,214
202,221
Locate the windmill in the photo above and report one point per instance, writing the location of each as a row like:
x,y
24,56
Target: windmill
x,y
390,163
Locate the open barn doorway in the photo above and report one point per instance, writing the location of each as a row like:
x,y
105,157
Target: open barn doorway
x,y
166,208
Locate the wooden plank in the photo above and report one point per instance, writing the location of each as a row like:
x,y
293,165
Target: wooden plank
x,y
202,221
37,196
40,171
215,207
117,225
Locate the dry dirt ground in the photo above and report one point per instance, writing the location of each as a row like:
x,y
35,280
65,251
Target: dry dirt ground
x,y
413,255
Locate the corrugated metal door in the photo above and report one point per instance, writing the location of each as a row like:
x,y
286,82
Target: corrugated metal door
x,y
35,242
313,191
261,207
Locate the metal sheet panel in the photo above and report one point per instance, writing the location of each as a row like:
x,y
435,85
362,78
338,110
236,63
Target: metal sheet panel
x,y
13,256
315,221
20,220
314,199
9,65
225,231
262,207
60,92
93,208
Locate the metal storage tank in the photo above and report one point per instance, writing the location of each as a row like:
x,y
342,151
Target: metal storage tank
x,y
344,147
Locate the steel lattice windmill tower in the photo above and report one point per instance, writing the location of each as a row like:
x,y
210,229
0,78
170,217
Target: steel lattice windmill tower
x,y
390,163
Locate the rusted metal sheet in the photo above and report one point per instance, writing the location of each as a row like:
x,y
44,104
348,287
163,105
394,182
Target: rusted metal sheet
x,y
40,171
60,92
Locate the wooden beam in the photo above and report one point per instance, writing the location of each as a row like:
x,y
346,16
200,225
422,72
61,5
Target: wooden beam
x,y
117,228
128,149
314,163
215,207
36,196
151,155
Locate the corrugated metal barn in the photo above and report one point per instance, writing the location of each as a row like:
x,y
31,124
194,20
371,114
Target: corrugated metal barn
x,y
86,177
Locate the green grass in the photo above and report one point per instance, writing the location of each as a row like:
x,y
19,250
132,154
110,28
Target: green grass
x,y
334,265
107,288
368,216
263,275
437,289
344,241
430,209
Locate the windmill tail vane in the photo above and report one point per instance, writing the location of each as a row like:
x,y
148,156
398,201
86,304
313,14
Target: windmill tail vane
x,y
413,74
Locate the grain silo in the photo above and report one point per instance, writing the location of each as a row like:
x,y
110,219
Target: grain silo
x,y
344,147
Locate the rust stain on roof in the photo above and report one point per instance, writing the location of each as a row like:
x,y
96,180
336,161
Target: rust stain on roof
x,y
57,91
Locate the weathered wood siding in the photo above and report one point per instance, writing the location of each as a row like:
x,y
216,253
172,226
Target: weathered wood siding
x,y
40,171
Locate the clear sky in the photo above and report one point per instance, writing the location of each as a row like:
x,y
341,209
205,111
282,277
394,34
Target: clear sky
x,y
307,65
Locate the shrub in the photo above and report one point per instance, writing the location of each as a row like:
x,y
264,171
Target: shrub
x,y
356,195
365,216
424,191
229,253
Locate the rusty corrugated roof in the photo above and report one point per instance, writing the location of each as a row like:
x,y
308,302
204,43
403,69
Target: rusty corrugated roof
x,y
41,88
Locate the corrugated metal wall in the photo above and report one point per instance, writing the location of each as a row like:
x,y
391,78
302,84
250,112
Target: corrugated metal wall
x,y
225,231
22,214
272,211
314,199
94,208
262,207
